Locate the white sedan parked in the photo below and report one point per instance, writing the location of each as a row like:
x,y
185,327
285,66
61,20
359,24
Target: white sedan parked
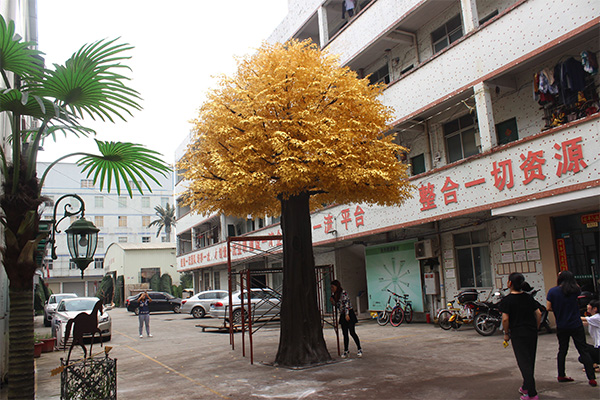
x,y
199,304
69,308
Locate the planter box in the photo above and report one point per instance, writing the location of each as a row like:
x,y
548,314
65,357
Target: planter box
x,y
48,345
37,350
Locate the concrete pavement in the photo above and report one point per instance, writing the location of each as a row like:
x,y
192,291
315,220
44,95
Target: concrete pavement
x,y
414,361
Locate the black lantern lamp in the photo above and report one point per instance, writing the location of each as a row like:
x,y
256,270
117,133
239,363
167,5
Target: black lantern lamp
x,y
82,235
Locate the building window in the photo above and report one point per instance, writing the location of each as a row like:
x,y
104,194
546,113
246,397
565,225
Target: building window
x,y
447,34
381,75
72,265
507,131
473,257
145,201
99,201
163,239
460,138
99,221
100,243
49,263
145,221
146,274
164,201
122,239
145,239
417,164
217,280
99,263
122,221
87,183
122,201
488,17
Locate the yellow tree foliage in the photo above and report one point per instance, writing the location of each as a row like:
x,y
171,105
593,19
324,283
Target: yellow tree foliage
x,y
292,121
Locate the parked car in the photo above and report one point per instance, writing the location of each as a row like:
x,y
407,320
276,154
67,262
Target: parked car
x,y
52,303
69,308
161,301
199,304
266,303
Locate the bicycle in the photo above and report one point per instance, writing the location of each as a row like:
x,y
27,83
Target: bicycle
x,y
383,317
403,307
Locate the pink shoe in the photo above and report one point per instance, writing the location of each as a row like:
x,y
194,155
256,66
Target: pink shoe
x,y
522,391
526,397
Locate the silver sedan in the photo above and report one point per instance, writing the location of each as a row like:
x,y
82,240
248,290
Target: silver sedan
x,y
199,304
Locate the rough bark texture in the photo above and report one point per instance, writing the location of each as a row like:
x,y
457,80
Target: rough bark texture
x,y
20,266
20,360
301,341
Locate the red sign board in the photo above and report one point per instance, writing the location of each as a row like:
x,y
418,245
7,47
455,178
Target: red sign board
x,y
590,218
562,254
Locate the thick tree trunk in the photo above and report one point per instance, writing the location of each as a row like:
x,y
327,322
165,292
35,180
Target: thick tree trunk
x,y
301,339
20,359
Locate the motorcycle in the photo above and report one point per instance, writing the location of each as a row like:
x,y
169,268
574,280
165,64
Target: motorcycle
x,y
487,322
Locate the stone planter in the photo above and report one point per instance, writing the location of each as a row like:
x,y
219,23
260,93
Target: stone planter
x,y
37,350
48,345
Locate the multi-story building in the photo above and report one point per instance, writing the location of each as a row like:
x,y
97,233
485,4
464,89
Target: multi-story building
x,y
497,102
121,219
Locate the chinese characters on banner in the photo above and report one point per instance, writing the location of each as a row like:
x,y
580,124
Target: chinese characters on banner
x,y
569,154
219,253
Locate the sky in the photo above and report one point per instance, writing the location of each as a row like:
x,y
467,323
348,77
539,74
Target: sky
x,y
181,46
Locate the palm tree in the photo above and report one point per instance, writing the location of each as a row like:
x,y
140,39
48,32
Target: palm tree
x,y
166,219
39,103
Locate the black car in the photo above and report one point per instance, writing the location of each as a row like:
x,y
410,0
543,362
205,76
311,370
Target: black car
x,y
161,301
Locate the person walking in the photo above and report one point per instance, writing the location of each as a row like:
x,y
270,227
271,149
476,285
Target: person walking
x,y
520,320
144,314
562,300
348,319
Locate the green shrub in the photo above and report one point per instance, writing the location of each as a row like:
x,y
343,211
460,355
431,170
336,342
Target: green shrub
x,y
166,283
155,283
106,290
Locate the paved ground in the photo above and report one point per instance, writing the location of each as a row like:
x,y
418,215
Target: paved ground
x,y
417,361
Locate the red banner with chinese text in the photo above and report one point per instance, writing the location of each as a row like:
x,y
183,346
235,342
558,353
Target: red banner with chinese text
x,y
562,254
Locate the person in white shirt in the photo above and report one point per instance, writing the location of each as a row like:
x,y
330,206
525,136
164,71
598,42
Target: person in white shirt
x,y
593,324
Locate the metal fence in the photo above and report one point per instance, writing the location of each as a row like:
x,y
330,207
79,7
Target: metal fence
x,y
90,379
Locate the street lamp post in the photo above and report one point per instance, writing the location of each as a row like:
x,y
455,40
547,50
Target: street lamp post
x,y
82,235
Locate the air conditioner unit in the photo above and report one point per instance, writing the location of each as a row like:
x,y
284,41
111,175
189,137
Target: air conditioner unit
x,y
423,249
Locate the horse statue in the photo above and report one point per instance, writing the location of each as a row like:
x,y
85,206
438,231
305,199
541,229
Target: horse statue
x,y
84,323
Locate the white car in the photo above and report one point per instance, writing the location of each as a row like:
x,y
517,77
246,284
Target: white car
x,y
51,303
69,308
266,304
199,304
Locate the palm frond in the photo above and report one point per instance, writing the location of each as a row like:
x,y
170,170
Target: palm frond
x,y
17,56
88,82
123,162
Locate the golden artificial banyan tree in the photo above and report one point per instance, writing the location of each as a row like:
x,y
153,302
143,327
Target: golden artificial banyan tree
x,y
290,131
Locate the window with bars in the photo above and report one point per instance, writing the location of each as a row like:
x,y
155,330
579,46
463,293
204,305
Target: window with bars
x,y
122,220
122,239
100,243
99,201
122,201
99,221
145,239
146,220
446,34
460,138
145,201
99,263
473,259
